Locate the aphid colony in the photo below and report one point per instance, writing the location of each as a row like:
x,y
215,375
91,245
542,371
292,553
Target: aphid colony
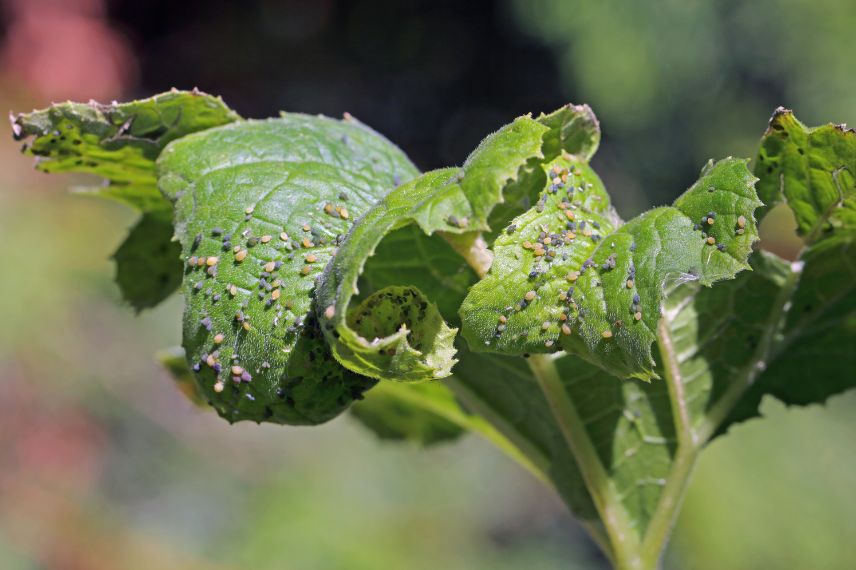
x,y
579,223
272,283
577,214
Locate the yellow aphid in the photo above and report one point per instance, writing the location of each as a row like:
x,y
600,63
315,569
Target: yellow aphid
x,y
606,334
330,311
306,269
710,221
311,258
344,213
530,295
201,261
527,245
211,361
328,208
629,283
638,316
545,325
249,210
269,266
306,227
264,239
246,326
283,236
566,330
711,240
218,338
503,319
569,214
307,242
241,255
237,370
572,276
275,294
741,222
233,290
236,249
212,261
218,386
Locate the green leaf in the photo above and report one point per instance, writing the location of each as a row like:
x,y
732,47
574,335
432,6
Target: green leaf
x,y
397,411
567,275
119,141
283,193
503,171
148,269
812,169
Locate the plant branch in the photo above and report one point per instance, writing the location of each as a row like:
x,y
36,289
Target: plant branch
x,y
686,454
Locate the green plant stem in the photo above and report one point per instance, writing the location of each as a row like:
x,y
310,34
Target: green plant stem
x,y
623,538
689,445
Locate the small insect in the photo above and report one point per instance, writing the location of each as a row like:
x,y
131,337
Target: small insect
x,y
275,294
711,240
218,386
218,338
283,236
212,261
311,258
241,255
606,334
330,311
630,284
269,266
545,325
741,222
264,239
249,210
566,330
530,295
638,315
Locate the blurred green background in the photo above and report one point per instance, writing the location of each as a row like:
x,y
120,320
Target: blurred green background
x,y
105,465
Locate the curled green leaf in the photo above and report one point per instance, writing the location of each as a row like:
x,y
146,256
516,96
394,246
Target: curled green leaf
x,y
567,275
499,180
260,208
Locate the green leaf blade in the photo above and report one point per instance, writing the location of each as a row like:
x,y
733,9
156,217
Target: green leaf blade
x,y
447,201
812,169
260,208
598,293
